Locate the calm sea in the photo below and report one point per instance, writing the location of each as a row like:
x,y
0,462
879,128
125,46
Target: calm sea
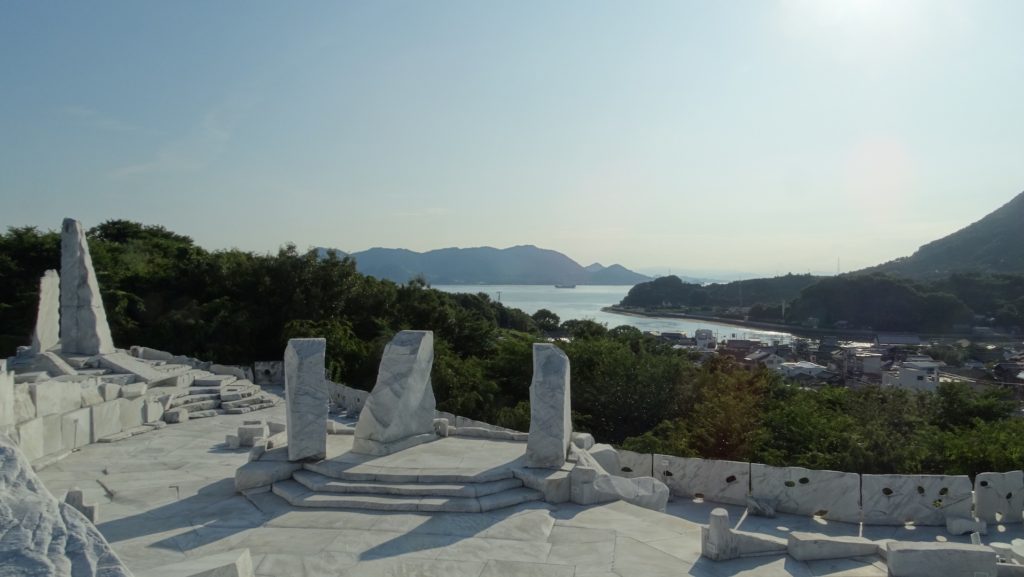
x,y
585,302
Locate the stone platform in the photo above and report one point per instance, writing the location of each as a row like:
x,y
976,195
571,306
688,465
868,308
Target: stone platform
x,y
461,475
168,496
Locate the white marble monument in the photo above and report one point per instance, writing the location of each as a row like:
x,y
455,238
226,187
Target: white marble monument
x,y
399,413
307,398
83,320
550,418
47,332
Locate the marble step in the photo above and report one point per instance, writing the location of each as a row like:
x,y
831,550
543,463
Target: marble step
x,y
243,402
351,472
319,483
211,380
299,495
188,400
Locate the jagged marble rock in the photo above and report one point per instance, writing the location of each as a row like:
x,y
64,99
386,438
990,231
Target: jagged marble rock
x,y
399,413
83,321
47,332
40,535
550,408
307,398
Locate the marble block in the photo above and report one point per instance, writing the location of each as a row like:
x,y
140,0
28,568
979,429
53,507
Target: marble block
x,y
815,546
550,408
24,406
306,398
712,480
46,334
152,411
399,412
53,438
131,412
633,464
91,394
76,428
55,397
918,499
999,497
30,439
720,542
829,494
927,559
583,440
83,320
7,418
236,563
106,419
76,498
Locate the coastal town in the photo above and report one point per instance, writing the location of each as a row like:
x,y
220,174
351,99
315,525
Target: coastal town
x,y
897,360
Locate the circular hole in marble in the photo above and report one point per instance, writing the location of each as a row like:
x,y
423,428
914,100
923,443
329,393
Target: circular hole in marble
x,y
920,490
821,512
789,484
944,491
1009,495
667,473
804,480
698,496
627,470
984,483
937,503
887,491
730,479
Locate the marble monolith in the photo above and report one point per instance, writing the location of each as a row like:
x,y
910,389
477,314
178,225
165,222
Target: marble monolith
x,y
399,412
550,408
83,320
307,398
47,332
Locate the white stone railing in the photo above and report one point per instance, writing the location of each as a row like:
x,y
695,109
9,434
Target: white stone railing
x,y
834,495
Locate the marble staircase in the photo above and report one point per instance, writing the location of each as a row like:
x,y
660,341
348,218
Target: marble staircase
x,y
317,485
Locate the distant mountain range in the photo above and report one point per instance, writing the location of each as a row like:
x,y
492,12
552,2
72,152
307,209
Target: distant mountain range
x,y
994,244
525,264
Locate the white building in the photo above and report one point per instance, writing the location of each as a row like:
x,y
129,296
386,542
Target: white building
x,y
705,339
918,375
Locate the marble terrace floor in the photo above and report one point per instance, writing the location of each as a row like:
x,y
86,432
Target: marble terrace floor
x,y
168,495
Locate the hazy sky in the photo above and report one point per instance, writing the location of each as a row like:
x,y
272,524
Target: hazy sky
x,y
757,136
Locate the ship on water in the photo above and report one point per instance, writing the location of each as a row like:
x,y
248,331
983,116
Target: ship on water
x,y
565,286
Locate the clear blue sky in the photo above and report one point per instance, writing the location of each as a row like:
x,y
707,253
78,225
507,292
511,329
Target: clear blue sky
x,y
757,136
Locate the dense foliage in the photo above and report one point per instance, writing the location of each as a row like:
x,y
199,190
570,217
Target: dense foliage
x,y
162,290
671,292
863,301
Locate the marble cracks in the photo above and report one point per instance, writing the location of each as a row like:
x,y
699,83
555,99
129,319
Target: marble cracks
x,y
307,398
550,418
400,411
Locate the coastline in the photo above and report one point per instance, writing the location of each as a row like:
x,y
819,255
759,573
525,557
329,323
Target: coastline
x,y
797,330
